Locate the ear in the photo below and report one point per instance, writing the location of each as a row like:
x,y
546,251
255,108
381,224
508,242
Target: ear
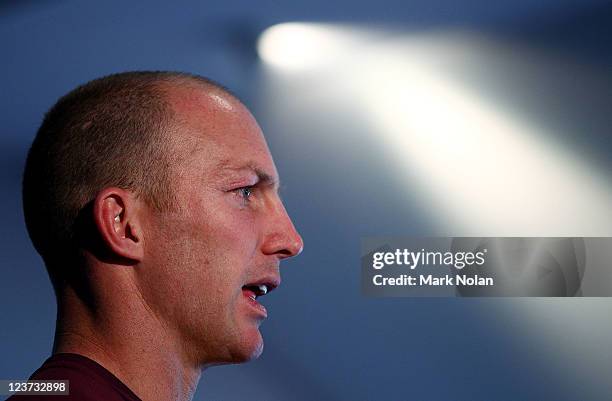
x,y
116,217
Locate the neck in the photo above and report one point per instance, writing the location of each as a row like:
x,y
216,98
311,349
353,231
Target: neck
x,y
124,336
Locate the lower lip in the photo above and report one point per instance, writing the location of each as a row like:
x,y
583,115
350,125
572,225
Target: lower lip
x,y
255,305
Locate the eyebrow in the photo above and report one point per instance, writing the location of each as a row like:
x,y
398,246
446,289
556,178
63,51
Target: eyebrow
x,y
263,177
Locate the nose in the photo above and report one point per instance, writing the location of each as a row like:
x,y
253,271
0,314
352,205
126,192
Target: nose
x,y
282,239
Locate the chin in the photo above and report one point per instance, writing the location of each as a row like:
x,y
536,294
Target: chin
x,y
250,348
258,351
254,348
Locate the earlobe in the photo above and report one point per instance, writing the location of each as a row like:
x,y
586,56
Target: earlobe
x,y
115,213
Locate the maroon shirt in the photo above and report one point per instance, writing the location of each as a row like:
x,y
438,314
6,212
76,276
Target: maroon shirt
x,y
88,381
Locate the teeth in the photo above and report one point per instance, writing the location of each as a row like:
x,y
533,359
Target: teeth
x,y
263,289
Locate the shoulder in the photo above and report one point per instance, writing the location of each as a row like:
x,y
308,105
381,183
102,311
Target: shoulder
x,y
87,381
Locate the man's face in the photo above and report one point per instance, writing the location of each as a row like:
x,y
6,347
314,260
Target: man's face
x,y
209,258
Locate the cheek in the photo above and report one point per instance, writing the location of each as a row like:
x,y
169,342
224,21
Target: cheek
x,y
203,257
220,223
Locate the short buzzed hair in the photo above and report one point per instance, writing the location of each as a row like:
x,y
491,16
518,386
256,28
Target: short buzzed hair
x,y
112,131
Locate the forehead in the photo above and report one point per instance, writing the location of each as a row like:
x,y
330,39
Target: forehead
x,y
218,131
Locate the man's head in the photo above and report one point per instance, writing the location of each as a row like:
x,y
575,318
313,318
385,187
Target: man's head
x,y
161,184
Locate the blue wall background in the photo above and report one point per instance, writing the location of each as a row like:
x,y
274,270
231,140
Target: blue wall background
x,y
323,339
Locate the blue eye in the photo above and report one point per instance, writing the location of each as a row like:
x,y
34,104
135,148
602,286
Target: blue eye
x,y
245,192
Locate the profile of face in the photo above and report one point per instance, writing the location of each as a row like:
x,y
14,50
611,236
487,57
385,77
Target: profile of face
x,y
219,248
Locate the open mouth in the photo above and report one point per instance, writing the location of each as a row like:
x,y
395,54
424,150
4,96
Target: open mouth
x,y
255,291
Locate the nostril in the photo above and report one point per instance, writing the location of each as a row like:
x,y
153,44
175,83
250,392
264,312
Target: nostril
x,y
294,248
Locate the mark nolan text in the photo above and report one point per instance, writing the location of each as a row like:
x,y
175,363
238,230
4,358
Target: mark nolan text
x,y
460,279
431,280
